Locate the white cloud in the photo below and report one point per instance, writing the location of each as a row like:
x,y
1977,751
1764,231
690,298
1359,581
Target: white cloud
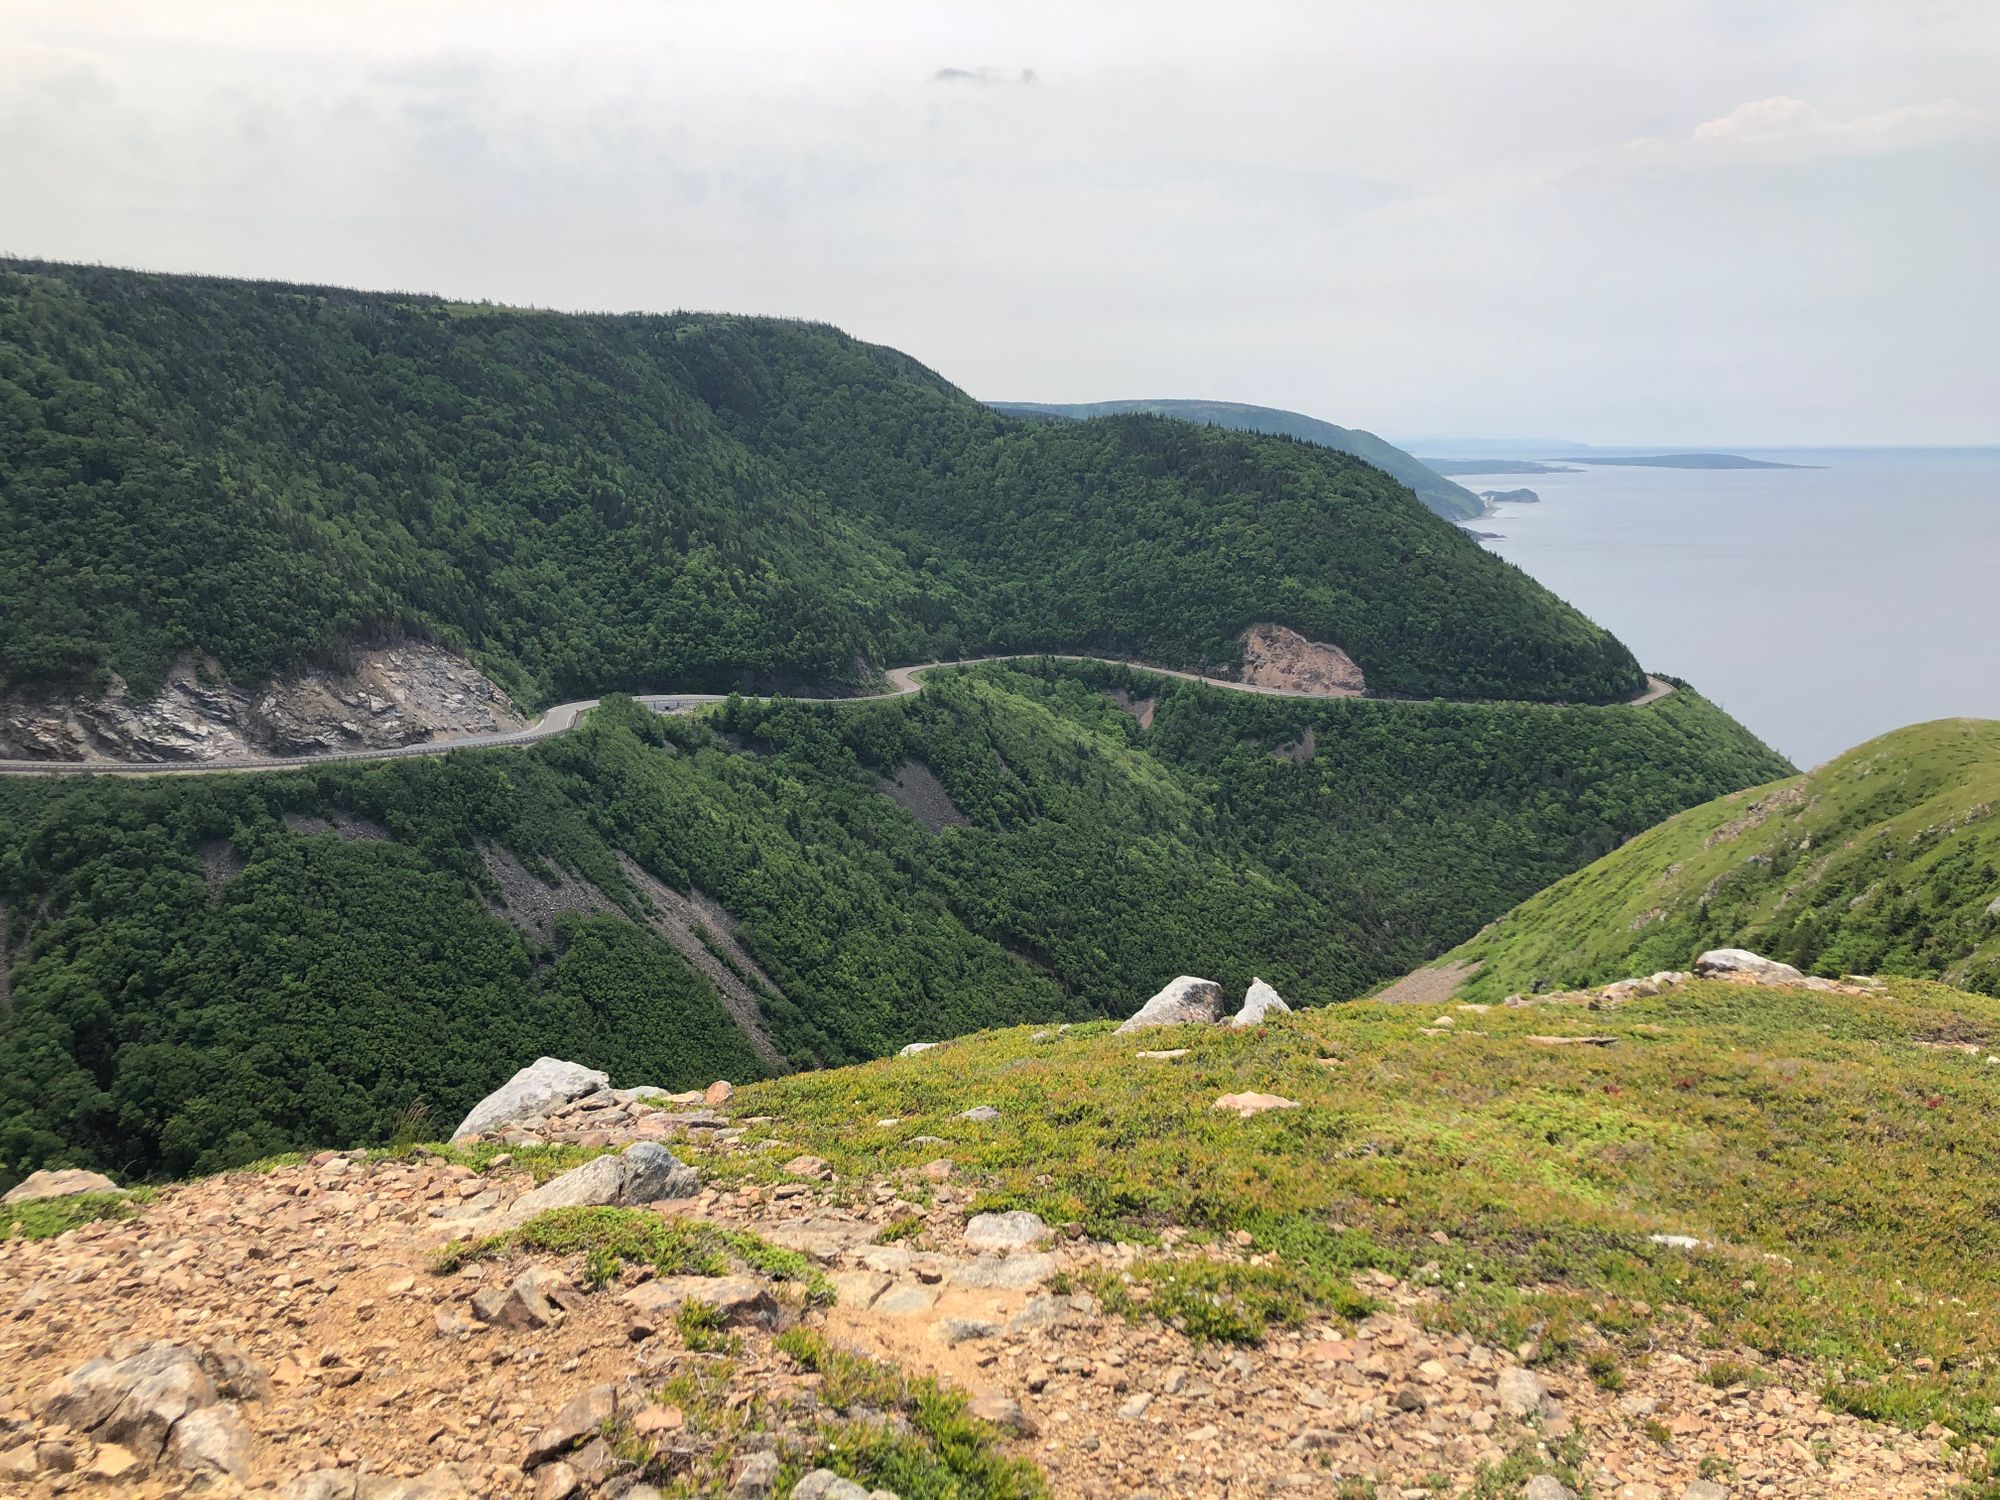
x,y
1791,129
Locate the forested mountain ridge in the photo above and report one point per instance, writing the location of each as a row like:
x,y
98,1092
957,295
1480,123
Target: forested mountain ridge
x,y
1448,498
264,475
205,969
1885,860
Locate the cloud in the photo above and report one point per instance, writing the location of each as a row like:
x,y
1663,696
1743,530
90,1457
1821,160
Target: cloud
x,y
1788,129
984,75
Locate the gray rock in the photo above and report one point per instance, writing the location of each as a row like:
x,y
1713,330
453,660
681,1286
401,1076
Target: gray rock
x,y
824,1484
1004,1412
738,1298
915,1047
442,1482
1184,1000
1260,1002
955,1331
133,1402
322,1484
62,1182
1744,966
644,1172
755,1477
1015,1230
522,1305
990,1273
535,1090
981,1114
1040,1314
1704,1489
1519,1392
905,1301
579,1418
211,1441
1547,1487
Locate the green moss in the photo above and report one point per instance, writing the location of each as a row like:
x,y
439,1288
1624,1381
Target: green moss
x,y
672,1247
46,1218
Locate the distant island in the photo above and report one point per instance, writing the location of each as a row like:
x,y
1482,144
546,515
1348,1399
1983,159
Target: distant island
x,y
1690,461
1457,466
1508,497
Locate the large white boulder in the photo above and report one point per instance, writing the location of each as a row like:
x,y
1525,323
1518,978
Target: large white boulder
x,y
1184,1000
538,1088
1260,1002
1744,967
61,1182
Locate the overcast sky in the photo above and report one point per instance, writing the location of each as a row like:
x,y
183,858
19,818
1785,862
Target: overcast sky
x,y
1673,221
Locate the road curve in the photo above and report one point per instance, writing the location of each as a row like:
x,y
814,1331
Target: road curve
x,y
564,717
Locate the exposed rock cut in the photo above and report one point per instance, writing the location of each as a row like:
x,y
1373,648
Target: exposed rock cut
x,y
1741,966
394,695
1275,657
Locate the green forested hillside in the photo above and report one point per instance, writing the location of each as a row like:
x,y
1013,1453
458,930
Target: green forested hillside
x,y
1448,498
194,980
267,474
1884,861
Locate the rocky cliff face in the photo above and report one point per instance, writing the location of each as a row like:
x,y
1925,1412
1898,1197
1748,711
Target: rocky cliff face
x,y
397,695
1279,658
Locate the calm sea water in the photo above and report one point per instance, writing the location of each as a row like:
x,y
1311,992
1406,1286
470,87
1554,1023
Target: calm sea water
x,y
1820,607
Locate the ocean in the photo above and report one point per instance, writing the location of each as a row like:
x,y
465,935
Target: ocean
x,y
1820,607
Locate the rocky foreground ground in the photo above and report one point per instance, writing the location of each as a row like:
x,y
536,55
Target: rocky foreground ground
x,y
295,1330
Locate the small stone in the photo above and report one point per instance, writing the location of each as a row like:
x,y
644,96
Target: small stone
x,y
981,1114
1519,1392
1704,1489
210,1441
955,1331
582,1415
913,1048
755,1477
738,1298
1005,1413
111,1461
718,1094
806,1166
824,1484
1547,1487
557,1481
1135,1408
905,1301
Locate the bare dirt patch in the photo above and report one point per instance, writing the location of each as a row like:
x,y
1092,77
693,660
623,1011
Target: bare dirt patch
x,y
916,790
1139,708
1431,985
1274,657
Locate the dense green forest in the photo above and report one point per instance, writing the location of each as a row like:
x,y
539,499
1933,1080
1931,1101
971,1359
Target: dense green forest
x,y
1448,498
201,970
1885,860
267,475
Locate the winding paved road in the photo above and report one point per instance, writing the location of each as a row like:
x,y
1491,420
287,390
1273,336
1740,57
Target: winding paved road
x,y
903,681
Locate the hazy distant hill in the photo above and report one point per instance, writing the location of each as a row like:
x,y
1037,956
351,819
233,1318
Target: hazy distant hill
x,y
1452,501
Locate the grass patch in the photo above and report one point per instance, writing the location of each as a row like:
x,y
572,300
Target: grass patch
x,y
607,1237
907,1227
1229,1302
1836,1165
45,1218
947,1453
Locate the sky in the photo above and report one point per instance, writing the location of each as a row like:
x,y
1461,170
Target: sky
x,y
1652,221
